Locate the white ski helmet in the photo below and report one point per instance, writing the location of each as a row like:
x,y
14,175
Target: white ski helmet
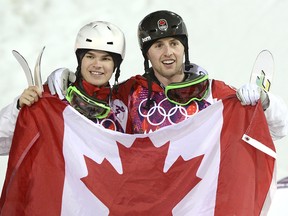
x,y
104,36
101,35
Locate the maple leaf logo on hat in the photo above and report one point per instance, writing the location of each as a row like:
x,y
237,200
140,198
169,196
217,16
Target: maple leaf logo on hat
x,y
162,24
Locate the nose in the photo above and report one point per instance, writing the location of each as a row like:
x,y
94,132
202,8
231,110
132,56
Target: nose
x,y
96,63
168,50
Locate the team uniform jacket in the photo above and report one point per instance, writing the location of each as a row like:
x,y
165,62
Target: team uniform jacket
x,y
163,113
116,119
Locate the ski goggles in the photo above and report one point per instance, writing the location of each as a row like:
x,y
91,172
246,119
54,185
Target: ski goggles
x,y
89,107
182,93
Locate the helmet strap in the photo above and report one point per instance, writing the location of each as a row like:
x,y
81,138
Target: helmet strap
x,y
78,73
149,99
146,64
117,74
187,61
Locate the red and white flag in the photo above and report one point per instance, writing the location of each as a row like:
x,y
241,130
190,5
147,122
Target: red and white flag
x,y
218,162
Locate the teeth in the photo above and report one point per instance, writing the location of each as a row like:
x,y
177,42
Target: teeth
x,y
168,61
96,73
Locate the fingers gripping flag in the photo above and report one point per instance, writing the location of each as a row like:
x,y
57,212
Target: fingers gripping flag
x,y
218,162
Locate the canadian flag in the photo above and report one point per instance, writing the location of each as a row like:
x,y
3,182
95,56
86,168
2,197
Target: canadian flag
x,y
218,162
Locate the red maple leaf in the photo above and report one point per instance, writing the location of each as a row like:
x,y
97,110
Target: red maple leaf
x,y
143,188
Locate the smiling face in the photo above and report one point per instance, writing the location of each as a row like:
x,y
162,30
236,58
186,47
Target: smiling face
x,y
166,56
97,67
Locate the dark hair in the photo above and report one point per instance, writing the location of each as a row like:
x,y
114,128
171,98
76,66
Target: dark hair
x,y
80,53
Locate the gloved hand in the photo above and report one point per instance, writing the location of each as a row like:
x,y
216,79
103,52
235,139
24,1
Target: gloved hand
x,y
249,94
59,80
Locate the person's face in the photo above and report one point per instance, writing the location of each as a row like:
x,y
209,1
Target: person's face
x,y
97,67
166,56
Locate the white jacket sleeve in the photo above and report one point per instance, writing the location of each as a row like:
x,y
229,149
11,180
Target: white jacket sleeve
x,y
277,117
8,118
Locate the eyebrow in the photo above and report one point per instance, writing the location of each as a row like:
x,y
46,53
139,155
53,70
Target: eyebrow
x,y
170,40
105,55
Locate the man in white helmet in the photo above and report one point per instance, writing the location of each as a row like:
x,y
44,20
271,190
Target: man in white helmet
x,y
100,50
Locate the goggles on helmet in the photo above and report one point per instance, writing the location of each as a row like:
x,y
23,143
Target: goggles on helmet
x,y
182,93
89,107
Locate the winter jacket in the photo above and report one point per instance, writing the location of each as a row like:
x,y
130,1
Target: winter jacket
x,y
116,119
163,113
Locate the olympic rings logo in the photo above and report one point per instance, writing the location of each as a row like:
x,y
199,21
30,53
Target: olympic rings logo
x,y
159,110
103,122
